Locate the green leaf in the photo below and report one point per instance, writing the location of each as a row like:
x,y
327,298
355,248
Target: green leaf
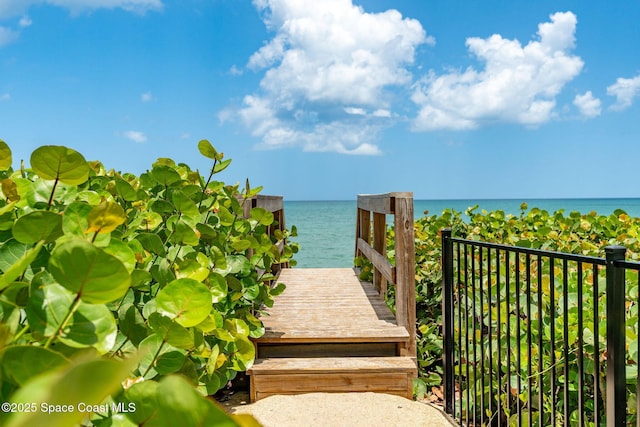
x,y
21,363
61,387
38,226
5,156
184,204
74,220
47,307
19,266
123,252
61,163
237,264
174,402
244,357
218,287
165,175
105,217
185,300
207,150
262,216
132,324
170,331
159,357
125,190
144,396
87,270
183,234
92,325
222,166
151,242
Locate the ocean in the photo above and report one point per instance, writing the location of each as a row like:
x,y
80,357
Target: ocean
x,y
326,229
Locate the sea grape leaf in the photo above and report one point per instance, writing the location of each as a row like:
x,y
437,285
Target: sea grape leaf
x,y
159,357
243,358
165,175
262,216
184,204
47,307
222,165
151,242
237,264
60,387
183,234
21,363
185,300
92,325
144,396
38,226
61,163
170,331
74,220
125,190
192,269
105,217
218,287
123,252
131,323
87,270
150,220
207,150
20,264
5,156
173,401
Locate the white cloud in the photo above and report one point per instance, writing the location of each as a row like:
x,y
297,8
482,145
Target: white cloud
x,y
9,8
5,97
355,111
326,63
381,112
625,90
146,97
25,21
518,84
7,36
135,136
235,71
588,105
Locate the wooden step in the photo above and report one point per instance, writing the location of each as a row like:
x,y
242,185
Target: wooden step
x,y
390,375
268,350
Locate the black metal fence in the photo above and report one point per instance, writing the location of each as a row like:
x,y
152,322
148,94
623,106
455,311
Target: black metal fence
x,y
539,338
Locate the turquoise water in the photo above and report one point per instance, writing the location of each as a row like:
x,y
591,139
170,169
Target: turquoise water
x,y
326,229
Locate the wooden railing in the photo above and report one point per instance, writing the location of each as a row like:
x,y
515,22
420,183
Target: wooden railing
x,y
402,274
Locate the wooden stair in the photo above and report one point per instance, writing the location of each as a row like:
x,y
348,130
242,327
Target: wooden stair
x,y
329,332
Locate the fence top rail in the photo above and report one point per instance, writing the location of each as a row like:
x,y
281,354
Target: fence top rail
x,y
630,265
381,203
551,254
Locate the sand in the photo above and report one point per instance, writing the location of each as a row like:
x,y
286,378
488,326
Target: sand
x,y
337,410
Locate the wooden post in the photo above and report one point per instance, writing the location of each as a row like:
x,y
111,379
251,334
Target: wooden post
x,y
402,204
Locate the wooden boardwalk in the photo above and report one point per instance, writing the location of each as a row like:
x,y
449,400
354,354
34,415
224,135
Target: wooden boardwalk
x,y
330,332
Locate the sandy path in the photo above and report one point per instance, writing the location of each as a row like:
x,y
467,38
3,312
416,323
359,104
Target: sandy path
x,y
339,409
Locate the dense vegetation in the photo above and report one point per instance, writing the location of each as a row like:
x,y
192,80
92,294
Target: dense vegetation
x,y
574,232
127,297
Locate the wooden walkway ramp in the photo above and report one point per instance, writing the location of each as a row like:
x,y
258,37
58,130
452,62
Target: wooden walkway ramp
x,y
330,332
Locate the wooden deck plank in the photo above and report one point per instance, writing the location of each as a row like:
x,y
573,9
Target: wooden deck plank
x,y
329,305
392,375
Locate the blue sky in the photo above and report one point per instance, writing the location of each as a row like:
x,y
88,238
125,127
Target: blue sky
x,y
329,99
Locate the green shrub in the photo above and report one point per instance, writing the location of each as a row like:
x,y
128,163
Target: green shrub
x,y
153,281
574,232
